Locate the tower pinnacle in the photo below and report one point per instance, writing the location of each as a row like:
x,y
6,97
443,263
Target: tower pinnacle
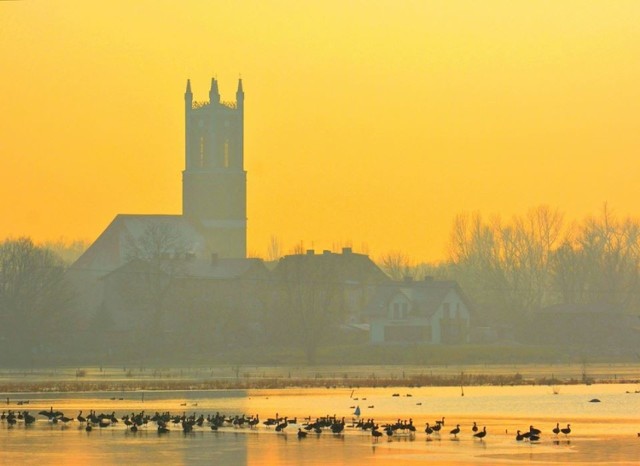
x,y
214,93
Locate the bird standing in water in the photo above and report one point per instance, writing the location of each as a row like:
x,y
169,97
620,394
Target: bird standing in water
x,y
482,434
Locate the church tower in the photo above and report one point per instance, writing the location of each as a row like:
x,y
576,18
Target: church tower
x,y
214,182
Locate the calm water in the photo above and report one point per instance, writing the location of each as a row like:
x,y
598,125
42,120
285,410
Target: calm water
x,y
605,432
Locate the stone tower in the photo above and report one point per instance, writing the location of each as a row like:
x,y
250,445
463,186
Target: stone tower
x,y
214,182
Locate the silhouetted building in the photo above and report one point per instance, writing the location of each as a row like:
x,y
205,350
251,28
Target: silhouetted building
x,y
213,220
352,277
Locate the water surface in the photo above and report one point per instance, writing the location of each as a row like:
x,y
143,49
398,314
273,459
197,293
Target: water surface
x,y
604,432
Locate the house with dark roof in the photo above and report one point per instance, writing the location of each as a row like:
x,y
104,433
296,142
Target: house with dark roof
x,y
355,275
421,311
314,298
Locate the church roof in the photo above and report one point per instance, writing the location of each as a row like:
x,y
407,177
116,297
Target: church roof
x,y
113,247
216,269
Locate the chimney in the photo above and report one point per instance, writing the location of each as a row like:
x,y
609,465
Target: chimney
x,y
310,252
214,258
346,251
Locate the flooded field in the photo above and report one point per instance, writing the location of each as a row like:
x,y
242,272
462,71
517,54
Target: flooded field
x,y
604,431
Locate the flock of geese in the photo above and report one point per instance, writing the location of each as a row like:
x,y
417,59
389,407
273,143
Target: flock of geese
x,y
166,422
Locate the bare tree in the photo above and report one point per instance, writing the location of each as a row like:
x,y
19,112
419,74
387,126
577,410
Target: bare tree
x,y
274,250
34,298
298,248
156,260
397,265
602,263
506,267
307,303
68,251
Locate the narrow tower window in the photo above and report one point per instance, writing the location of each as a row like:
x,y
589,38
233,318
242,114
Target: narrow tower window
x,y
226,154
201,151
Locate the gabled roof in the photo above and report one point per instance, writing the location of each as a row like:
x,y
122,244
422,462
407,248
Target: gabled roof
x,y
425,295
111,249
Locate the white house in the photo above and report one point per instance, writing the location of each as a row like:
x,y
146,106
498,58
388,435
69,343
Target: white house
x,y
426,311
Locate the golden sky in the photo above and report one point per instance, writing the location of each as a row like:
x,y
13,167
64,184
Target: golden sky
x,y
368,122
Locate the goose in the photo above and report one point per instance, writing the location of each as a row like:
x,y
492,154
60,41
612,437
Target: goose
x,y
482,434
28,419
337,427
567,430
411,427
556,429
375,433
428,430
455,431
301,433
282,425
389,431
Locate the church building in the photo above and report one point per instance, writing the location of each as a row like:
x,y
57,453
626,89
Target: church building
x,y
212,228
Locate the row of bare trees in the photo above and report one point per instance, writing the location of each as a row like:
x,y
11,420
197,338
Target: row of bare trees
x,y
510,269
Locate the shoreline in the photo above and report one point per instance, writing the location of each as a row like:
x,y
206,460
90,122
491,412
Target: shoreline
x,y
125,379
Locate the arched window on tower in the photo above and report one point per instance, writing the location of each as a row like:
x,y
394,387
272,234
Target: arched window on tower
x,y
201,158
225,161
